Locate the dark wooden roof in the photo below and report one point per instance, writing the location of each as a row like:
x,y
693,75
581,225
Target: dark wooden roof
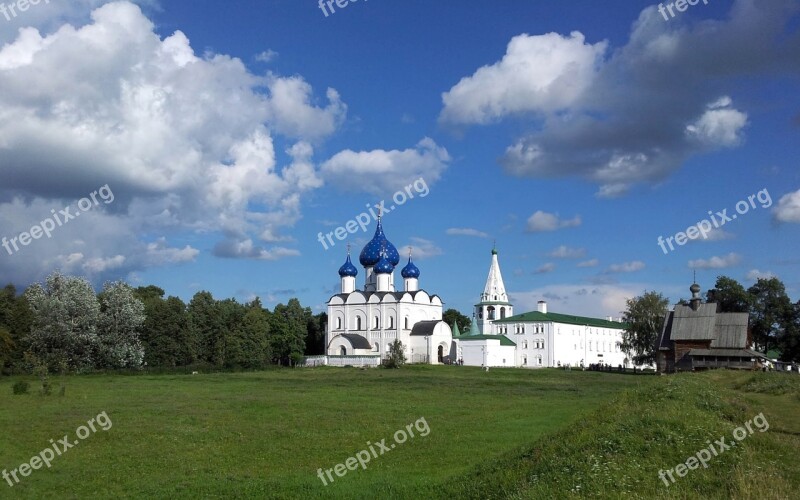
x,y
357,341
425,328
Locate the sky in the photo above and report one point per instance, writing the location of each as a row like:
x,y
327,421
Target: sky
x,y
219,146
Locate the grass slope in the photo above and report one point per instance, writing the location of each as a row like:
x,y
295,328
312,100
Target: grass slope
x,y
265,434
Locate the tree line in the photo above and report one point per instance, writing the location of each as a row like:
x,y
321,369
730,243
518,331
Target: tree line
x,y
774,319
63,325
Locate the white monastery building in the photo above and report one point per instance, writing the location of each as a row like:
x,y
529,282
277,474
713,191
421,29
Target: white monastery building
x,y
363,323
535,339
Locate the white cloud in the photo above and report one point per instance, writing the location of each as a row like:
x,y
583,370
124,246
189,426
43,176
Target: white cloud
x,y
719,126
755,275
237,249
565,252
596,301
546,268
185,141
266,56
544,221
455,231
788,208
381,172
421,249
626,267
538,73
589,263
730,260
633,114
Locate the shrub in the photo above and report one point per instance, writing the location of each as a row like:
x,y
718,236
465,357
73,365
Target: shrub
x,y
21,387
397,357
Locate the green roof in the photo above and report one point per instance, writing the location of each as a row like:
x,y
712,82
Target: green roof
x,y
456,332
562,318
502,338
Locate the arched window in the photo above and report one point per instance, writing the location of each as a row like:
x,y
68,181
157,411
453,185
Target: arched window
x,y
377,323
502,313
406,323
391,322
376,348
339,323
491,312
525,360
343,351
524,344
358,322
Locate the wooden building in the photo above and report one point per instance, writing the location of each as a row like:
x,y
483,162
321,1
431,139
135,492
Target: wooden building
x,y
696,336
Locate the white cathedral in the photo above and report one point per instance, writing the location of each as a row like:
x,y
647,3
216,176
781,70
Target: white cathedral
x,y
363,323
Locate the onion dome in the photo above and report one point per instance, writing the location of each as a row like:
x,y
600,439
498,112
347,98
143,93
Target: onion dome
x,y
371,254
348,269
410,271
384,266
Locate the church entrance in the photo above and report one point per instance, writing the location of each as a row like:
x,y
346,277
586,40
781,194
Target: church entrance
x,y
343,351
441,354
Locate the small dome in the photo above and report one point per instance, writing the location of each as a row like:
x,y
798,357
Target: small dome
x,y
348,269
410,271
371,253
695,288
384,266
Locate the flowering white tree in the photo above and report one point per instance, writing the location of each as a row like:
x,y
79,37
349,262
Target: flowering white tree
x,y
120,323
65,313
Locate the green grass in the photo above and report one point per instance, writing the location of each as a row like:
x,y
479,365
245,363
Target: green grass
x,y
503,433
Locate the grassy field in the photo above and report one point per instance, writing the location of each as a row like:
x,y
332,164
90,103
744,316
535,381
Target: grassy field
x,y
505,433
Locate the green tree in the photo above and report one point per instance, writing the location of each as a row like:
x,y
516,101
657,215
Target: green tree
x,y
729,295
289,331
65,314
119,325
645,318
789,340
252,344
397,355
772,313
207,328
315,339
451,316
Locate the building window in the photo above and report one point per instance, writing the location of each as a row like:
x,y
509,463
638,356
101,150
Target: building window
x,y
338,323
524,344
590,345
358,322
391,322
491,312
525,360
343,351
406,327
539,360
502,313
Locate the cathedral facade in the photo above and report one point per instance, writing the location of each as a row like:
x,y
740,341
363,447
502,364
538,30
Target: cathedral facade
x,y
363,323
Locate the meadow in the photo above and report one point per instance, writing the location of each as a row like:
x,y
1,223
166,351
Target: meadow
x,y
498,434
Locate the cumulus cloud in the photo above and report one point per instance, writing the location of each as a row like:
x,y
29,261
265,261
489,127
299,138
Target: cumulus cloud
x,y
185,141
597,301
457,231
725,261
589,263
631,114
538,73
542,221
421,248
626,267
565,252
755,275
788,208
381,172
545,268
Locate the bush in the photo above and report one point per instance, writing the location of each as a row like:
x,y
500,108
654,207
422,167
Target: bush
x,y
397,357
21,387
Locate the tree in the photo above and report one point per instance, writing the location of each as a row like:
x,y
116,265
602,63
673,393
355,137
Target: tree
x,y
771,314
645,318
315,339
397,355
119,325
252,348
65,313
789,341
289,331
451,316
206,324
729,295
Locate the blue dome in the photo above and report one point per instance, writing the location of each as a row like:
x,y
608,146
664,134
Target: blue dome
x,y
348,269
384,266
410,271
371,254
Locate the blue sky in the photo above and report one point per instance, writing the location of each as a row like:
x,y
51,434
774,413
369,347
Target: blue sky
x,y
575,134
